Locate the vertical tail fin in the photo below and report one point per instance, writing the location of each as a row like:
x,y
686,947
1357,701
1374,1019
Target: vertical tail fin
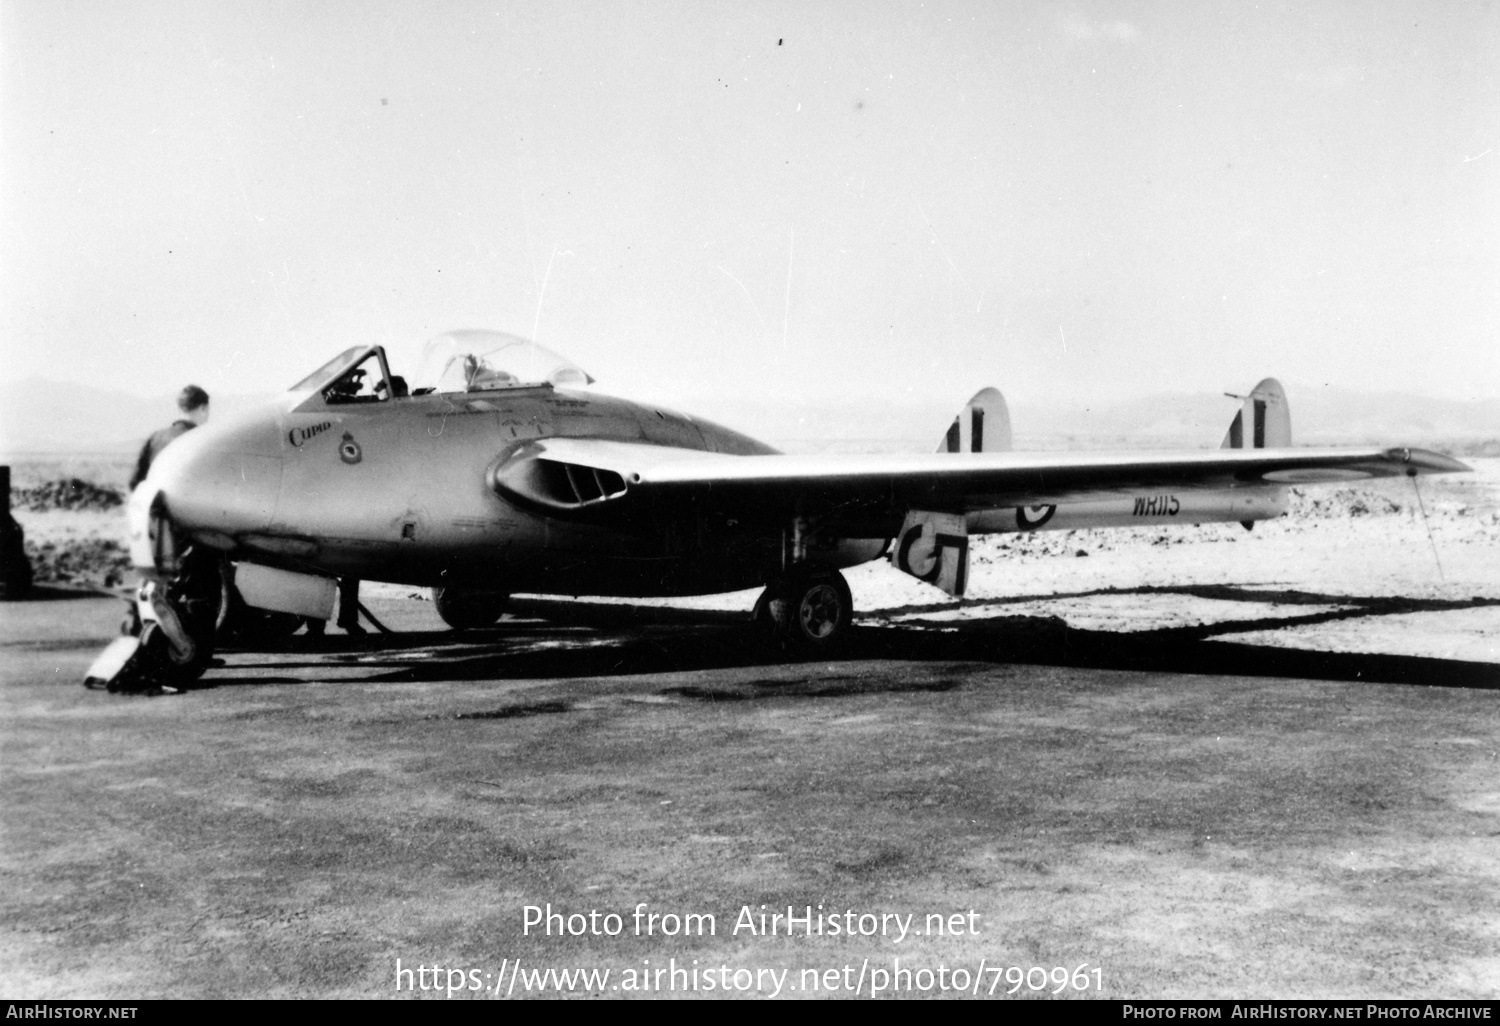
x,y
934,546
983,425
1263,422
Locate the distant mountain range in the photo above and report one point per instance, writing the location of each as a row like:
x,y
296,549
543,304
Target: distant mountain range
x,y
1320,416
38,416
1172,420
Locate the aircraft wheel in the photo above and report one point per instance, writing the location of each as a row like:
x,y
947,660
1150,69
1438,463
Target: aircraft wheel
x,y
154,660
812,612
166,664
466,610
180,645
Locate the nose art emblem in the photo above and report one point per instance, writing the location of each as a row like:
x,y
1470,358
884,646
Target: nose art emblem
x,y
349,449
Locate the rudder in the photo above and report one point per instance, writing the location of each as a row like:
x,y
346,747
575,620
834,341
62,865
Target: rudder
x,y
1264,421
983,425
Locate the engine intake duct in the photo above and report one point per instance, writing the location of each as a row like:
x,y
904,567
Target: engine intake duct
x,y
556,485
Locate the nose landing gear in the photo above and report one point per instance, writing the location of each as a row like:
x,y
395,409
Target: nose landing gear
x,y
169,637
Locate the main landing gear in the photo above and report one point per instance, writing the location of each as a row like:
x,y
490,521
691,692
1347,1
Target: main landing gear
x,y
464,609
810,611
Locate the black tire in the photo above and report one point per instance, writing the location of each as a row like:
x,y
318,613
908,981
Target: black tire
x,y
810,613
196,596
159,663
466,610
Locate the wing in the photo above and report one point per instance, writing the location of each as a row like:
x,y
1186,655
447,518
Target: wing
x,y
608,480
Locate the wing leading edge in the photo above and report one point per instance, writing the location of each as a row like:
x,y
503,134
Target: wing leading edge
x,y
869,491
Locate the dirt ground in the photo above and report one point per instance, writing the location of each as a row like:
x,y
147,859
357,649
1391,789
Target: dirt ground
x,y
1203,763
1178,814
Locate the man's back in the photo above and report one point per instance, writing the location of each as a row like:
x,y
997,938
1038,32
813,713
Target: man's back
x,y
154,445
193,402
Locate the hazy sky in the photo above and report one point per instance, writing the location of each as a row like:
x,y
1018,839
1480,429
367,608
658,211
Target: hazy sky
x,y
697,200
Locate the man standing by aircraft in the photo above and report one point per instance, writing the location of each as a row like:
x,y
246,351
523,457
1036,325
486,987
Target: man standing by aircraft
x,y
197,564
193,402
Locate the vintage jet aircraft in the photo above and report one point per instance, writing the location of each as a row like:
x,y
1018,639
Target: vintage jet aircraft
x,y
498,471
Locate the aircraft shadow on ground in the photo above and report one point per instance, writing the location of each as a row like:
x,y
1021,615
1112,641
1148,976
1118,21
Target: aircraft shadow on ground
x,y
1201,648
582,639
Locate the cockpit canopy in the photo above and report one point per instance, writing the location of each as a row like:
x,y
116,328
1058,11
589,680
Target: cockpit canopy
x,y
483,361
459,361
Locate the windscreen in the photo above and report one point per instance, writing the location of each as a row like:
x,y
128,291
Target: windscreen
x,y
329,370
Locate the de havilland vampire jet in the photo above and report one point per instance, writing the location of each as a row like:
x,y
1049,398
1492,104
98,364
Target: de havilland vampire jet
x,y
498,470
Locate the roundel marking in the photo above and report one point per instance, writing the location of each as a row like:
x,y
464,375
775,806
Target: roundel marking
x,y
1029,518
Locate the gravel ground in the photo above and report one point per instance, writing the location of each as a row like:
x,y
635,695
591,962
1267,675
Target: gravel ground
x,y
311,816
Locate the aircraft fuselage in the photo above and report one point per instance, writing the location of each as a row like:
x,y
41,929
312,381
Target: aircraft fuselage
x,y
400,490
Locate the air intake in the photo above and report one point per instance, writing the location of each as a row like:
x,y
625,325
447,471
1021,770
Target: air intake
x,y
556,485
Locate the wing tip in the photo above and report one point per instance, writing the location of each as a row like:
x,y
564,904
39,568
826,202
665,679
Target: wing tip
x,y
1425,461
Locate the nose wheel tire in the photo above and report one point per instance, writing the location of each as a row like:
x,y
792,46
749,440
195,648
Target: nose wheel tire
x,y
811,612
179,646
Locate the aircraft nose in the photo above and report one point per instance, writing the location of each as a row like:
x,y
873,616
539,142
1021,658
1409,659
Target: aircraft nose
x,y
221,479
